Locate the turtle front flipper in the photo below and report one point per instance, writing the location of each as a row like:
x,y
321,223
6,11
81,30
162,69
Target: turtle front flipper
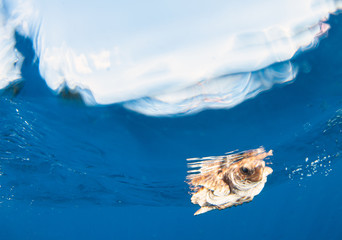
x,y
204,210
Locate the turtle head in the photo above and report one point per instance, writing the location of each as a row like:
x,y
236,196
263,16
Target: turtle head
x,y
252,170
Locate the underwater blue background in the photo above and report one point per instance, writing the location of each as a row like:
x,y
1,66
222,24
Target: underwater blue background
x,y
68,171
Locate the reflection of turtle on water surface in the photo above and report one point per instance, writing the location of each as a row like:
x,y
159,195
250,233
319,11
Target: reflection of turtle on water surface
x,y
225,181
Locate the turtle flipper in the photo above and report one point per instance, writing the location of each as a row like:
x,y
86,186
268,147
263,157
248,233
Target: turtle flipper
x,y
204,210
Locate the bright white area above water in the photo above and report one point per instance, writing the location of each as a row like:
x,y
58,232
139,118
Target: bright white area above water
x,y
162,57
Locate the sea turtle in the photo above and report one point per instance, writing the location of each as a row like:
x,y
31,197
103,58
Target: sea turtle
x,y
224,181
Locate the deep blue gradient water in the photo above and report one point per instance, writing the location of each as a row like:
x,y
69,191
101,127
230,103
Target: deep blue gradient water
x,y
68,171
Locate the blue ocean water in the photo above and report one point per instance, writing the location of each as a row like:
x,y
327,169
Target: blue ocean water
x,y
68,171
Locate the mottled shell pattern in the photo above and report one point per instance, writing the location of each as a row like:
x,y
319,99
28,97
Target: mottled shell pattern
x,y
219,182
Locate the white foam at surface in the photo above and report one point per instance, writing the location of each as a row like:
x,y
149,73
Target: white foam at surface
x,y
10,59
164,57
224,92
